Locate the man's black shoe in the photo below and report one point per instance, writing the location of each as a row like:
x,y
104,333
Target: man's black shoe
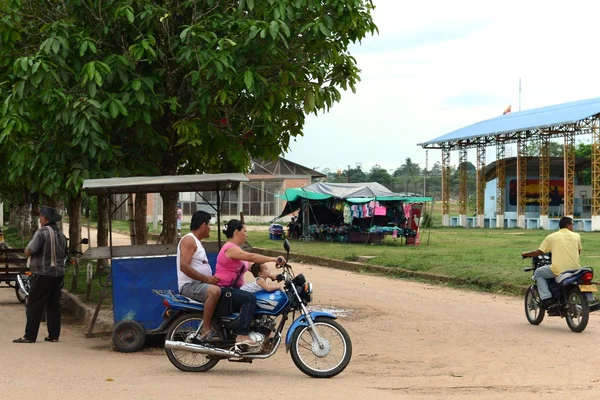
x,y
546,303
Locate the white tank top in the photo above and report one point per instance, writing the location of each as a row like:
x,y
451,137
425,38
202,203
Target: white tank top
x,y
199,262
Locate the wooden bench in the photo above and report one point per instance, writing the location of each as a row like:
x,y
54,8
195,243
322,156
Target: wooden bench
x,y
12,263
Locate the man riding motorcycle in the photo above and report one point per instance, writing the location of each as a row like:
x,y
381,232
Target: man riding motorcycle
x,y
565,246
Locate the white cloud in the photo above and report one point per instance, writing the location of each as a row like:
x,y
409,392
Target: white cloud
x,y
438,66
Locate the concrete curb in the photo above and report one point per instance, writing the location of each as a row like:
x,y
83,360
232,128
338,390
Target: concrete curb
x,y
391,271
84,312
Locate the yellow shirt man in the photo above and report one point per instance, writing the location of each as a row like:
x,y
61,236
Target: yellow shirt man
x,y
565,246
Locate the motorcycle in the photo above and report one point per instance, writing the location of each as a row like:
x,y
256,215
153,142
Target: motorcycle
x,y
572,292
319,346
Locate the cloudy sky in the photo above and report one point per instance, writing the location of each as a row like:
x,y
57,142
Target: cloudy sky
x,y
437,66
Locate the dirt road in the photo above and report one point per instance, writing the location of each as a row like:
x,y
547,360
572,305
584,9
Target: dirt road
x,y
411,341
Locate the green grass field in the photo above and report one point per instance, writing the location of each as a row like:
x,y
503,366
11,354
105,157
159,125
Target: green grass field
x,y
484,257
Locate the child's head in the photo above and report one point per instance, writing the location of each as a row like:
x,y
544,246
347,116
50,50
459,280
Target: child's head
x,y
259,270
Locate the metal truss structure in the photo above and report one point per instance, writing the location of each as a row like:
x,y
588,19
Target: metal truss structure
x,y
462,181
500,178
480,179
544,181
587,126
596,168
445,181
521,175
569,191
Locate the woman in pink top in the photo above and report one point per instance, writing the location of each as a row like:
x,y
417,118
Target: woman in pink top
x,y
231,266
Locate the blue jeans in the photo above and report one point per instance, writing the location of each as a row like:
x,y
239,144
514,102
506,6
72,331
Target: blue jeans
x,y
246,303
541,274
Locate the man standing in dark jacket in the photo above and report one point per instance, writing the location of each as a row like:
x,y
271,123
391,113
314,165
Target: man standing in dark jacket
x,y
47,251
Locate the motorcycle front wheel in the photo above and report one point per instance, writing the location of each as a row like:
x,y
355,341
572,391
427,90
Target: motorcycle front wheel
x,y
578,310
534,313
180,331
326,359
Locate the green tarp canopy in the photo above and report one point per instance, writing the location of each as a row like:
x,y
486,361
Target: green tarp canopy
x,y
349,192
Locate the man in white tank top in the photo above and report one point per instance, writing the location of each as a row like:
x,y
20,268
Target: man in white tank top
x,y
194,275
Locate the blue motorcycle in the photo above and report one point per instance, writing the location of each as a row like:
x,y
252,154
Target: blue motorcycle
x,y
319,346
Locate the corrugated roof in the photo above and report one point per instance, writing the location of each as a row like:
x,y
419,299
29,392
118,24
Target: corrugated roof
x,y
543,117
167,183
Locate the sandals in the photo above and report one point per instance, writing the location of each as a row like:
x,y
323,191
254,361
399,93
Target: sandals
x,y
22,340
47,339
210,337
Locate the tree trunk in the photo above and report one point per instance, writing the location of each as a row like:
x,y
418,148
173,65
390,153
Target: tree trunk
x,y
25,218
23,223
102,238
13,221
35,212
141,216
169,217
131,219
74,211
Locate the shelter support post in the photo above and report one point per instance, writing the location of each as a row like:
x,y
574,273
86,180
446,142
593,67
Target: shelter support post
x,y
500,184
462,185
596,174
544,181
240,206
569,174
521,181
445,186
480,185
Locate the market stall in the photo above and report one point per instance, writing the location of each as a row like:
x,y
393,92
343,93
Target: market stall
x,y
354,212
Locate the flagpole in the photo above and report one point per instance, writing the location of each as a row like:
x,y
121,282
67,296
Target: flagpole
x,y
519,93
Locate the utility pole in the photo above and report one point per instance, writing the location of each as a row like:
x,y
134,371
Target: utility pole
x,y
348,174
425,173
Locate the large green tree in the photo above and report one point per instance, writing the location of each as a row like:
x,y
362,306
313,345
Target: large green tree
x,y
136,87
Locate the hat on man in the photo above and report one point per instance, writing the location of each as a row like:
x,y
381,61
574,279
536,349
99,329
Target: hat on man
x,y
50,214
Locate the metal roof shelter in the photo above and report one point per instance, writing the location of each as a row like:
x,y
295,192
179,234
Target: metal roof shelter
x,y
506,126
540,124
167,183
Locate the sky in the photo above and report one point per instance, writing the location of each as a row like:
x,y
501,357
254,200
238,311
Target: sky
x,y
438,65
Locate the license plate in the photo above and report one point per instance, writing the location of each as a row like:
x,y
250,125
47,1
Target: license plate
x,y
588,288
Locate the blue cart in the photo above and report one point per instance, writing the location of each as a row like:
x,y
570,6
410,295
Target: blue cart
x,y
137,310
136,270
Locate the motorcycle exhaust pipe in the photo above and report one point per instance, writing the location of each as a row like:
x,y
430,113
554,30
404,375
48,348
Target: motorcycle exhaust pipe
x,y
198,348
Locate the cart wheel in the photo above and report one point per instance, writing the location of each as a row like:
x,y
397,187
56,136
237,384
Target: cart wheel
x,y
128,336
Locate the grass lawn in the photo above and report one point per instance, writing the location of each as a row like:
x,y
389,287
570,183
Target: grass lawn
x,y
483,256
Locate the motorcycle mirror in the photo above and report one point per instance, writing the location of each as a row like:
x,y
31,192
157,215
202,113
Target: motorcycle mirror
x,y
84,241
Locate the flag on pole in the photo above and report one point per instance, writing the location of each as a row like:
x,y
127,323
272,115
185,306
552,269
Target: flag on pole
x,y
507,110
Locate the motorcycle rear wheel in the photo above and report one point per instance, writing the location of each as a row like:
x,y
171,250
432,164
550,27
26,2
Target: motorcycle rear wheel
x,y
534,313
578,310
321,363
188,360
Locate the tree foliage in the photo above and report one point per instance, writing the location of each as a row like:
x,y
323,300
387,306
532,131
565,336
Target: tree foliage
x,y
93,88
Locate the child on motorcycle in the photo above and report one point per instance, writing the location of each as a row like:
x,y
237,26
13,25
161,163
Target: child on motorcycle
x,y
261,273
